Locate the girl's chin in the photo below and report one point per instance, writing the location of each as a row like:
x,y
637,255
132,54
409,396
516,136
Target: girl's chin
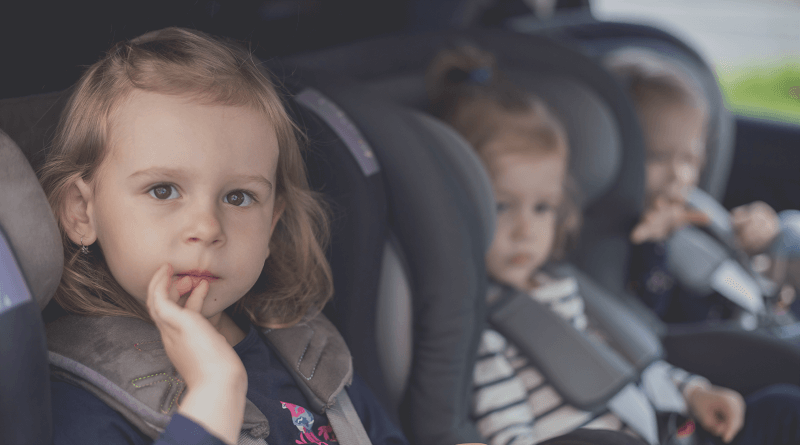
x,y
518,281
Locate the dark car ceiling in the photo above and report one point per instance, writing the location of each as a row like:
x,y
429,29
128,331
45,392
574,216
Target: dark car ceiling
x,y
44,45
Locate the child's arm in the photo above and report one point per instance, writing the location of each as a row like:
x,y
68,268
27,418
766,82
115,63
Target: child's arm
x,y
664,217
720,411
215,376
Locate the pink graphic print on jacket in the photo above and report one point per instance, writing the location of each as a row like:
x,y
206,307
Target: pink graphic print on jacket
x,y
304,422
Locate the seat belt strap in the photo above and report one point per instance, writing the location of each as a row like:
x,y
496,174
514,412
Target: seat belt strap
x,y
345,422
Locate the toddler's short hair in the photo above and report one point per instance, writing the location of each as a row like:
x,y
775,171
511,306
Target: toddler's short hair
x,y
652,80
296,277
467,92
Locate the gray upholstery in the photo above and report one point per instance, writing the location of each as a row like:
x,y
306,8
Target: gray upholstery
x,y
594,141
721,129
394,298
463,165
394,315
28,222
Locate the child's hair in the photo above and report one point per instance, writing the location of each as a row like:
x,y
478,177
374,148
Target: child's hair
x,y
296,277
467,92
652,80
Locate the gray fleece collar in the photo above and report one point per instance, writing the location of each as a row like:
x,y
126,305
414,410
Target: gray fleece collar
x,y
121,361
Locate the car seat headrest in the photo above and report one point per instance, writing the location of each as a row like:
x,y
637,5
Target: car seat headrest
x,y
594,142
463,166
28,223
695,73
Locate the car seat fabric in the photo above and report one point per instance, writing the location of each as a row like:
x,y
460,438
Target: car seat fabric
x,y
30,269
123,365
353,188
438,243
28,222
601,39
608,163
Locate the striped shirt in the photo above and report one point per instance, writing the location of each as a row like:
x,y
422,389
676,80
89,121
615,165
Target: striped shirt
x,y
513,402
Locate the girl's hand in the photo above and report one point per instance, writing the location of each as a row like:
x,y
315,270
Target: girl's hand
x,y
215,376
663,218
756,226
720,411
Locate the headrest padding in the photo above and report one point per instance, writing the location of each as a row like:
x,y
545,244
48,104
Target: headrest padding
x,y
28,222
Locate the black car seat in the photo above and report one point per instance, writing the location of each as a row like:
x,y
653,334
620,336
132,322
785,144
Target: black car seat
x,y
374,163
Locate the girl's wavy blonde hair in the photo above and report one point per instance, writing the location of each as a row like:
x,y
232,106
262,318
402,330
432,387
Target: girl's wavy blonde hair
x,y
467,92
296,278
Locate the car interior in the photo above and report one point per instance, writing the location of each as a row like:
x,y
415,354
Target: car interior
x,y
412,209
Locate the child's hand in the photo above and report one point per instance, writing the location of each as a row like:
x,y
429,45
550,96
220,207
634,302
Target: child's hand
x,y
214,374
663,218
720,411
756,226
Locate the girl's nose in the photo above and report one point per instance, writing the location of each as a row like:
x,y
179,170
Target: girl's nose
x,y
523,227
205,227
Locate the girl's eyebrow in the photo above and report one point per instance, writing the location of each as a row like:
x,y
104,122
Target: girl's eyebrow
x,y
181,174
159,171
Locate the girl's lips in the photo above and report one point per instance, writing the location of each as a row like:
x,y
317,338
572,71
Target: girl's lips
x,y
197,276
520,259
202,274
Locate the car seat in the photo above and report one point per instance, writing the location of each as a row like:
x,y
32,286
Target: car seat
x,y
356,164
606,142
392,69
29,274
599,40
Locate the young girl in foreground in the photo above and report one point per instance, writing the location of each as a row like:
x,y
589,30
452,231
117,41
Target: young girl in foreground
x,y
525,151
189,229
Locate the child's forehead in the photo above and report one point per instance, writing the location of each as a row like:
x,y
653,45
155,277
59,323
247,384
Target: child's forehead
x,y
140,106
173,126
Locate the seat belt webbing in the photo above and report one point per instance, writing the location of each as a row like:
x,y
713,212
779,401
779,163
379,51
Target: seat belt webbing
x,y
345,422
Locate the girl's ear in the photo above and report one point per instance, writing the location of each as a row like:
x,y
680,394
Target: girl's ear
x,y
78,216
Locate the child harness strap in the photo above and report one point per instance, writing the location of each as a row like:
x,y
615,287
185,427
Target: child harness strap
x,y
121,360
586,372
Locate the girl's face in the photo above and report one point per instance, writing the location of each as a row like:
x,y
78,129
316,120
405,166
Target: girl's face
x,y
675,139
528,189
187,184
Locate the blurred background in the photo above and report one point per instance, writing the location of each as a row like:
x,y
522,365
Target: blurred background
x,y
754,45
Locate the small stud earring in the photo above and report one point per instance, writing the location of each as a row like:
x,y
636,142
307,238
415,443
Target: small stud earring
x,y
84,249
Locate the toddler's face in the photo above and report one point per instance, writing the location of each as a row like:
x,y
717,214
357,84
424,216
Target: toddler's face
x,y
675,139
528,189
191,185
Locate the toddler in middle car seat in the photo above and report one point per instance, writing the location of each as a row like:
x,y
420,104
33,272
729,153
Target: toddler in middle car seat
x,y
525,151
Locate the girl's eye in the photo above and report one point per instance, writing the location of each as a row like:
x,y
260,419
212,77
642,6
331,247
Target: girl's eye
x,y
502,207
164,192
239,198
542,207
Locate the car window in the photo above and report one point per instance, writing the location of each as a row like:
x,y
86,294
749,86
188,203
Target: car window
x,y
753,45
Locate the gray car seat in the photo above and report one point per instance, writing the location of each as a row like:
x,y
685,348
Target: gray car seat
x,y
29,274
603,131
606,142
599,40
